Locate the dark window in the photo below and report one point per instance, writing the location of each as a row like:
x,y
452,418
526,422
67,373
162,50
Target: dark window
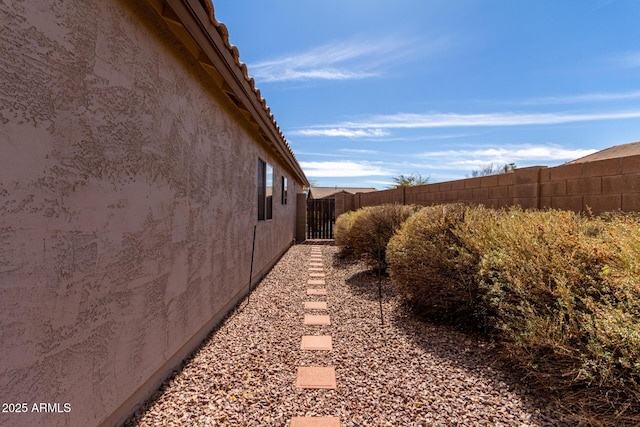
x,y
284,191
265,190
269,206
262,190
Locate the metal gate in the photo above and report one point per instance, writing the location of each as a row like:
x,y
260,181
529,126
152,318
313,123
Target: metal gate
x,y
321,217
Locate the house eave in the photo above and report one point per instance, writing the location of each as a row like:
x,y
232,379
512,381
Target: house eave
x,y
207,39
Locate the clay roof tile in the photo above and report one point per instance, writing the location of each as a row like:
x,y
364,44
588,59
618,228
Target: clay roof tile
x,y
223,31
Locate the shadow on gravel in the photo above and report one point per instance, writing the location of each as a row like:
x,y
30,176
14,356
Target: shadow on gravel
x,y
465,348
475,353
363,283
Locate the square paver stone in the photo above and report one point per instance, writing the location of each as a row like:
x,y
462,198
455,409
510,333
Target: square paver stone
x,y
316,342
316,377
315,305
316,274
317,319
315,422
316,291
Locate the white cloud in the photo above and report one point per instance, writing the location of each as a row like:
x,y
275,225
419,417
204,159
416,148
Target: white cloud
x,y
342,169
318,74
520,155
589,97
376,125
349,60
628,59
356,151
435,120
343,132
318,154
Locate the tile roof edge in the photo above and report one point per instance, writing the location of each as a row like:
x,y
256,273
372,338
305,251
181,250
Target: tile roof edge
x,y
223,31
589,157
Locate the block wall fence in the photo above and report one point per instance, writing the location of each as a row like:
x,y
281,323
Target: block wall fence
x,y
599,186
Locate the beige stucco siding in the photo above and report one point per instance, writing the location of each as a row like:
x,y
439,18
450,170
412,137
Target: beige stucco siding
x,y
127,204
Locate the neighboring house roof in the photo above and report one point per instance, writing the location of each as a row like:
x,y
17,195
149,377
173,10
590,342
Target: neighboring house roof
x,y
194,23
624,150
327,192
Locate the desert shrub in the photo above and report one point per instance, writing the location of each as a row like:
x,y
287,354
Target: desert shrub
x,y
372,227
427,267
560,290
529,262
342,232
563,293
611,331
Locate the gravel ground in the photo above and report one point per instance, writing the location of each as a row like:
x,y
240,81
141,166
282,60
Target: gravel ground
x,y
407,373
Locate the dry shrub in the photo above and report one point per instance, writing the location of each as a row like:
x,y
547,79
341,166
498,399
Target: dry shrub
x,y
342,232
371,229
560,290
563,292
427,267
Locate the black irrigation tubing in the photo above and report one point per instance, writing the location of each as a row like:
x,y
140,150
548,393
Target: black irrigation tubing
x,y
380,276
253,249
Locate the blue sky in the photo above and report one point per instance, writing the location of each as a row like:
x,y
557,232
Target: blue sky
x,y
366,90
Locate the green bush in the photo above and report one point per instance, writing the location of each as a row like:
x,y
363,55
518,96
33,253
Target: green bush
x,y
368,230
428,268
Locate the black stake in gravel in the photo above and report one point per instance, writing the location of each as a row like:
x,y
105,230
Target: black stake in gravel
x,y
253,248
380,275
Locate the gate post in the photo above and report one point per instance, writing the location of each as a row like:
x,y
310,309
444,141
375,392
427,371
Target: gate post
x,y
301,217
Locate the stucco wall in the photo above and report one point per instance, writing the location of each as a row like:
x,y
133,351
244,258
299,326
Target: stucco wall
x,y
127,206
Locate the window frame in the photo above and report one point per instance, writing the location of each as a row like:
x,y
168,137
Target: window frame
x,y
265,190
269,191
284,187
262,189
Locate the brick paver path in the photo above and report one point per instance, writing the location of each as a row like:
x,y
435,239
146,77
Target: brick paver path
x,y
316,377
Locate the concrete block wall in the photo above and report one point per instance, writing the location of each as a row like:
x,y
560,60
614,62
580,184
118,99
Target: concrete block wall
x,y
599,186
